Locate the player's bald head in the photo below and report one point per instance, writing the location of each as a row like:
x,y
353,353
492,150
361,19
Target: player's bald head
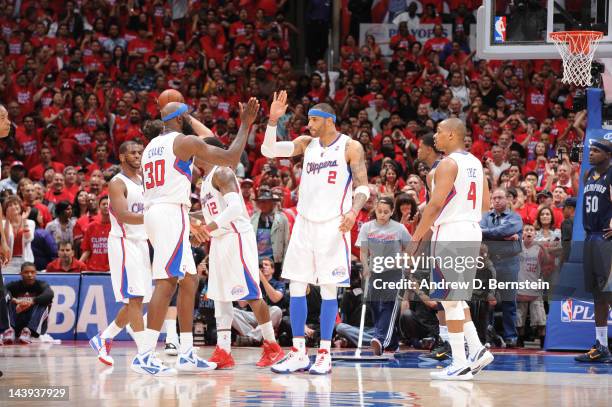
x,y
175,116
455,126
170,108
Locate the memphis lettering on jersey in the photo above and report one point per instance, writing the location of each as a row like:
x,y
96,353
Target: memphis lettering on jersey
x,y
595,188
315,168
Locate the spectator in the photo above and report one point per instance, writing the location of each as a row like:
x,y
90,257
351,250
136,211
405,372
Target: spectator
x,y
378,240
57,191
30,302
567,226
406,212
36,172
271,228
31,201
533,256
501,229
18,171
19,233
66,262
43,245
273,292
95,242
61,228
377,113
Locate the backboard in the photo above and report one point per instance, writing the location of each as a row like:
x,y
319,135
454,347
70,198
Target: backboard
x,y
519,29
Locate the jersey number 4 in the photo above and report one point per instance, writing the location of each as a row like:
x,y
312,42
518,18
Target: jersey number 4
x,y
155,174
471,196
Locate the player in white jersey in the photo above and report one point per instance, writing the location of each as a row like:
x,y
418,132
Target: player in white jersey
x,y
128,254
460,194
233,262
167,163
319,248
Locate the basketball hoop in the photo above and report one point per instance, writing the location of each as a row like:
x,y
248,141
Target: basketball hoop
x,y
577,49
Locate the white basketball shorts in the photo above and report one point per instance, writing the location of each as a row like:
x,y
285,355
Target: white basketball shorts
x,y
130,268
233,267
167,226
318,253
455,247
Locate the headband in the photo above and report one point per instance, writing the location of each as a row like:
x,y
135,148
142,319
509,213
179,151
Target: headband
x,y
321,113
182,109
601,146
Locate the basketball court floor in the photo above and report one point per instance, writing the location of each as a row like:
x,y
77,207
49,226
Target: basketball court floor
x,y
521,378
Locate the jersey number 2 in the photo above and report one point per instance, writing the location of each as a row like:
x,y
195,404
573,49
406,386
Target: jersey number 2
x,y
331,177
155,174
472,194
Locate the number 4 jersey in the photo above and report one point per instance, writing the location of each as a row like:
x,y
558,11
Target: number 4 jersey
x,y
597,206
464,201
166,178
326,189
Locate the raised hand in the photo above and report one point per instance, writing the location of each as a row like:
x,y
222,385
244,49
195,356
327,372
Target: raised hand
x,y
248,113
278,106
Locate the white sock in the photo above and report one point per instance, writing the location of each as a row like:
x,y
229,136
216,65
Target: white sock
x,y
300,344
444,333
111,331
267,330
456,340
601,334
171,335
140,338
471,337
186,341
224,340
325,345
151,336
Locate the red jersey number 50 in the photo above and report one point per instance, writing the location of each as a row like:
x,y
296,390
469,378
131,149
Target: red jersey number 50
x,y
154,174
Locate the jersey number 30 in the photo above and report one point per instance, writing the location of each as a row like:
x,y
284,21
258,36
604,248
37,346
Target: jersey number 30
x,y
591,204
472,194
154,173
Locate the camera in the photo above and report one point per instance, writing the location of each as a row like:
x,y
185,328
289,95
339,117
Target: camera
x,y
576,154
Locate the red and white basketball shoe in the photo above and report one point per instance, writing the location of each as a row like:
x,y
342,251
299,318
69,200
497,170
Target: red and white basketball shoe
x,y
222,358
272,353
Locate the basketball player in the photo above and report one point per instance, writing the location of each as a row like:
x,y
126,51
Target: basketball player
x,y
318,251
128,256
597,256
459,196
428,153
235,276
167,164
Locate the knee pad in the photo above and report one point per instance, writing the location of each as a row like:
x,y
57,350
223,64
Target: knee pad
x,y
224,314
297,289
454,310
329,292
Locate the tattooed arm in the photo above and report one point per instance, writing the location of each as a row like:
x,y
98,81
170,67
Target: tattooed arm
x,y
356,160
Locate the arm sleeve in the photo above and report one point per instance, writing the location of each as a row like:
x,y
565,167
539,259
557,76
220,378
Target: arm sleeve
x,y
272,148
46,297
231,212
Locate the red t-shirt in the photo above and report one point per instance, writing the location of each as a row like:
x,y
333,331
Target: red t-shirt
x,y
362,217
536,103
53,197
77,266
81,225
96,241
30,144
36,172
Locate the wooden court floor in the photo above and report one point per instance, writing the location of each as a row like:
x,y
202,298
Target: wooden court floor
x,y
514,379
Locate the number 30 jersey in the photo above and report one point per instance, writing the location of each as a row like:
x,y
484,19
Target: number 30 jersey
x,y
326,188
597,205
464,201
166,178
213,204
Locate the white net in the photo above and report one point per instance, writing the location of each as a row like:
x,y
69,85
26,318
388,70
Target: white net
x,y
577,49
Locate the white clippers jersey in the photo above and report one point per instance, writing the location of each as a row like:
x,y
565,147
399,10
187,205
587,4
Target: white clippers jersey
x,y
167,179
464,202
135,202
326,189
213,204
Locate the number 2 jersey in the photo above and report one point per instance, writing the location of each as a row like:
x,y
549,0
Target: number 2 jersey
x,y
213,204
597,204
326,189
464,201
166,178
